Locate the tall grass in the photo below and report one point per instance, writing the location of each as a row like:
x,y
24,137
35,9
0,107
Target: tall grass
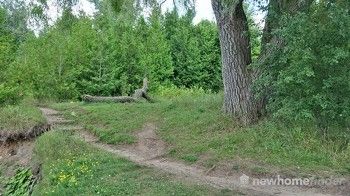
x,y
21,117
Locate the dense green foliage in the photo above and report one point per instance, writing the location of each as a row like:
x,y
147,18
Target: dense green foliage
x,y
309,78
12,33
111,54
20,183
48,66
195,52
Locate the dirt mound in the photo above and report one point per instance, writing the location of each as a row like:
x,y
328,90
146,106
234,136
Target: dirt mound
x,y
149,145
16,150
16,155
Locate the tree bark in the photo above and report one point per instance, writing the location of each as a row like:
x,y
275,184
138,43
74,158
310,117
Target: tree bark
x,y
236,56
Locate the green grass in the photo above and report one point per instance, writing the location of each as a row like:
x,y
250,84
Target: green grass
x,y
72,167
194,127
112,124
17,118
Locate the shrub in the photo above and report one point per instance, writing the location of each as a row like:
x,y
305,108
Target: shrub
x,y
172,91
309,78
20,184
9,95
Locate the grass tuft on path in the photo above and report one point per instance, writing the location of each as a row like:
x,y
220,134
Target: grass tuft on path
x,y
72,167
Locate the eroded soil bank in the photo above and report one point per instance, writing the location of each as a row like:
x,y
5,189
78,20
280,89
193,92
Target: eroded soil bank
x,y
16,151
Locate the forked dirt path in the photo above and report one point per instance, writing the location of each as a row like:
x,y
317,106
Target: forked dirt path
x,y
149,151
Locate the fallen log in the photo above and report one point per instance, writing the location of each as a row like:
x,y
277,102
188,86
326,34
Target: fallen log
x,y
119,99
138,95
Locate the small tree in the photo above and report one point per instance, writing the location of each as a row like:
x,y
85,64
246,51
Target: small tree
x,y
155,54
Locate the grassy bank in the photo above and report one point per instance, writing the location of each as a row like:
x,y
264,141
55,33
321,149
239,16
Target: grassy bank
x,y
78,169
18,118
196,130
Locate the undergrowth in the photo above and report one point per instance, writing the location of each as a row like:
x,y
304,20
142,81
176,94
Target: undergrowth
x,y
20,183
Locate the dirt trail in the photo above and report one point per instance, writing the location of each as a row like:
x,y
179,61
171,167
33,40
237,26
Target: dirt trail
x,y
54,118
149,151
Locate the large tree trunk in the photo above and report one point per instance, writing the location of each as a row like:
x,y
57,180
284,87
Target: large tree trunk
x,y
236,56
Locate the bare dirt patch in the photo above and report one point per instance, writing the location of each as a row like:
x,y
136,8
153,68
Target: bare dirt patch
x,y
148,145
54,118
19,153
